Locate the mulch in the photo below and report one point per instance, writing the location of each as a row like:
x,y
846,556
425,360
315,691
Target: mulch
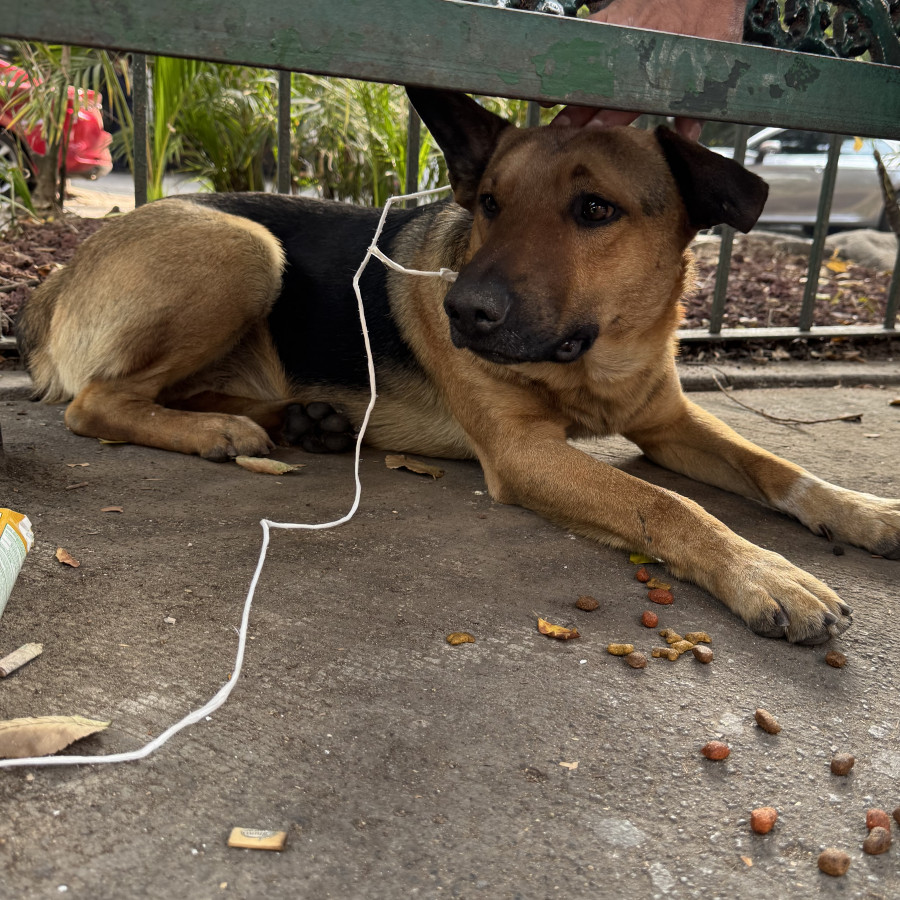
x,y
765,288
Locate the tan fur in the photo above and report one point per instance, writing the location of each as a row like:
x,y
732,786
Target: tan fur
x,y
184,361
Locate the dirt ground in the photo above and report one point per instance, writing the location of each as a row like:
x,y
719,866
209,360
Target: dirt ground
x,y
399,766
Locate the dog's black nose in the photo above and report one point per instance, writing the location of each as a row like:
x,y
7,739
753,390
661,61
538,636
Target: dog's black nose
x,y
476,312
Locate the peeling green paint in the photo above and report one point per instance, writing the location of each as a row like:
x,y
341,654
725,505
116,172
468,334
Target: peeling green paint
x,y
570,67
801,74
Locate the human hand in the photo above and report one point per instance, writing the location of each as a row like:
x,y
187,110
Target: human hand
x,y
721,20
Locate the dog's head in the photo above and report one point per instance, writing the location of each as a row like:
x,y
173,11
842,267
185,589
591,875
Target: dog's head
x,y
578,235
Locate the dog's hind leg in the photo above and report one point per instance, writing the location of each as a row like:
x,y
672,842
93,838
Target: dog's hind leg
x,y
153,310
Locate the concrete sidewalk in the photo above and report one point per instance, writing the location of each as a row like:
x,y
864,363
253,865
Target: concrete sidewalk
x,y
514,767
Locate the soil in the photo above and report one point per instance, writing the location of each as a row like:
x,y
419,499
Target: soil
x,y
765,288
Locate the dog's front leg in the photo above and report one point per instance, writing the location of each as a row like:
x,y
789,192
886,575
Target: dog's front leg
x,y
689,440
532,465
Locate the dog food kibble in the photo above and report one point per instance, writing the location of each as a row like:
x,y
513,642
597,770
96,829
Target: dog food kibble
x,y
698,637
715,750
460,637
620,649
767,721
834,862
878,841
658,595
642,575
636,660
661,585
649,619
762,820
682,646
842,764
878,818
704,654
588,604
667,652
835,659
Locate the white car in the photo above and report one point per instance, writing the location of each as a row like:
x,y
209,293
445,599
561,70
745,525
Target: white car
x,y
792,162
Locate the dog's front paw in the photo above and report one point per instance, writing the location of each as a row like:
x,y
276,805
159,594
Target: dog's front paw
x,y
863,520
776,599
317,428
220,438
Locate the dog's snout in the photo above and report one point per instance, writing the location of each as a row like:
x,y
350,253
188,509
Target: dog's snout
x,y
477,311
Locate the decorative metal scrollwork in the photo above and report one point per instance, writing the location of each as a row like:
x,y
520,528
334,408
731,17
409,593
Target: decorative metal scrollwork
x,y
846,28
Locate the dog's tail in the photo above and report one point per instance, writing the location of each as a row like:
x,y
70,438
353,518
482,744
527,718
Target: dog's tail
x,y
33,327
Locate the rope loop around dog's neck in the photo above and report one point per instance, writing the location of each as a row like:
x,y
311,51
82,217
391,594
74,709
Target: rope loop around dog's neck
x,y
222,694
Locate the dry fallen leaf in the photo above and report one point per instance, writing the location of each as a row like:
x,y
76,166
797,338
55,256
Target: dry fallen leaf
x,y
747,860
569,765
895,402
105,441
20,738
66,558
111,509
836,265
641,559
419,466
557,631
77,465
460,637
657,583
266,466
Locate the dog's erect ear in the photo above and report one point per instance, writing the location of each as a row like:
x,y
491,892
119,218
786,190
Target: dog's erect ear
x,y
466,132
715,189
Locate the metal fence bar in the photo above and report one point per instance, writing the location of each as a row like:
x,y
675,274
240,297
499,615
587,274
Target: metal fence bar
x,y
720,291
413,141
817,251
893,300
532,114
140,103
283,179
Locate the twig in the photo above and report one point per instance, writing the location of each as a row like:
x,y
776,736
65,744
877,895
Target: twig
x,y
849,417
30,282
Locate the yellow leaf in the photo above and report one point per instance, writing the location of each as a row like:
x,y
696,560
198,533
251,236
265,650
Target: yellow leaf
x,y
656,583
836,265
557,631
857,144
641,559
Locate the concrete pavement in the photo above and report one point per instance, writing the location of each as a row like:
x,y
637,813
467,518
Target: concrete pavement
x,y
514,767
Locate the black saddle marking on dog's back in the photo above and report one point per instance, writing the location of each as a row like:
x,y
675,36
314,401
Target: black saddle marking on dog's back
x,y
315,321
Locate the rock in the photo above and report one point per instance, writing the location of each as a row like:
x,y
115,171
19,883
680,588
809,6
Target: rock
x,y
866,247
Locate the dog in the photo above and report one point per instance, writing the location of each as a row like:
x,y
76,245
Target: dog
x,y
222,325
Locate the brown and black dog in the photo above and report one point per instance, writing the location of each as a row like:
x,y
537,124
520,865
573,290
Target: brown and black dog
x,y
204,324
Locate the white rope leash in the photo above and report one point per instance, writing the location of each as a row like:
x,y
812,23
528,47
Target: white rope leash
x,y
222,695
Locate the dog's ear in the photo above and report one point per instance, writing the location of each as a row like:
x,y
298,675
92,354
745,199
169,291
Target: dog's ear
x,y
466,132
715,189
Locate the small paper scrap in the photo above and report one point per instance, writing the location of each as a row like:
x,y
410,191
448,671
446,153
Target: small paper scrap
x,y
257,839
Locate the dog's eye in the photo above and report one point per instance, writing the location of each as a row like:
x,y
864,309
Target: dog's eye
x,y
593,210
489,205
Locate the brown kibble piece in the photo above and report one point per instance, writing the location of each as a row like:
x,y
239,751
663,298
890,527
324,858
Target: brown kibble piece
x,y
842,764
878,818
682,646
762,820
715,750
670,635
620,649
767,721
667,652
636,660
878,841
588,604
649,619
658,595
642,575
704,654
460,637
835,659
834,862
698,637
